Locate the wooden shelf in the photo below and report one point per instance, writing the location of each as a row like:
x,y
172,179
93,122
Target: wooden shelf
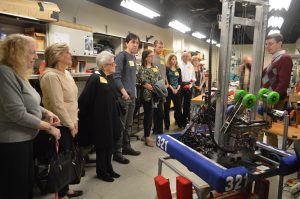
x,y
81,74
40,52
34,77
92,56
73,74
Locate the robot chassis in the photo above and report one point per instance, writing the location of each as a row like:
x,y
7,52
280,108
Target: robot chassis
x,y
239,133
220,147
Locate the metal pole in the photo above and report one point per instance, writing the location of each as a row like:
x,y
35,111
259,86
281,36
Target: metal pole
x,y
284,139
228,8
285,131
202,191
159,166
258,52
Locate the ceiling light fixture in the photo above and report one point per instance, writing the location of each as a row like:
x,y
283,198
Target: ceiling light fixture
x,y
275,22
131,5
278,4
273,31
179,26
212,41
198,35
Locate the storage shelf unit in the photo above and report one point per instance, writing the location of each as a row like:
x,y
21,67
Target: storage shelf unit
x,y
75,75
107,42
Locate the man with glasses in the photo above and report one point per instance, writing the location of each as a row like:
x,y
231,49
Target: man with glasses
x,y
277,75
188,79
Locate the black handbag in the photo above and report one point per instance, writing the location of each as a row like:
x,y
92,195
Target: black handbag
x,y
60,171
65,168
78,162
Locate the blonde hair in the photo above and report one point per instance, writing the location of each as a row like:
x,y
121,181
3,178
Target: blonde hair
x,y
157,42
169,60
194,58
14,52
53,53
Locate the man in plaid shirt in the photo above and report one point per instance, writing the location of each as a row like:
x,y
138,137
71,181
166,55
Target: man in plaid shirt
x,y
277,75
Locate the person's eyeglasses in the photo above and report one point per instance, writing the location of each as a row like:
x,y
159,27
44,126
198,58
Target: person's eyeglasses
x,y
113,63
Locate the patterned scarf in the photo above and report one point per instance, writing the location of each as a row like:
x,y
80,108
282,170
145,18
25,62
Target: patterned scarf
x,y
270,73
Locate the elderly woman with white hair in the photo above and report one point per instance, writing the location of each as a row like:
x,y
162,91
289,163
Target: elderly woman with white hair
x,y
99,115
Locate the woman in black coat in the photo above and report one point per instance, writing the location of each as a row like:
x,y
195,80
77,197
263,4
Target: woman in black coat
x,y
99,114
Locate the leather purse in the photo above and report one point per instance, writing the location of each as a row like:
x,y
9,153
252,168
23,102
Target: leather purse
x,y
78,162
60,171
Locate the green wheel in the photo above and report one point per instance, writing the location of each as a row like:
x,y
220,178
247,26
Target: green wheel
x,y
249,100
273,98
261,93
239,94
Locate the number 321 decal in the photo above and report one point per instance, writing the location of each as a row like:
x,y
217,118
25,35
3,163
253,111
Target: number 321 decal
x,y
162,143
236,183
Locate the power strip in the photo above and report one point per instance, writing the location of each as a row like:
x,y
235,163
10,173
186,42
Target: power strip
x,y
295,190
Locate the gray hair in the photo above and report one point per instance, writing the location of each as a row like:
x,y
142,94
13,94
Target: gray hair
x,y
104,58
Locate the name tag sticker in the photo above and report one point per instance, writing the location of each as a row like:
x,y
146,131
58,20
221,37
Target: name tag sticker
x,y
131,63
162,62
176,73
155,70
103,80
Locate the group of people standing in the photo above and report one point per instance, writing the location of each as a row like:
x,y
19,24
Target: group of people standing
x,y
22,117
102,115
182,81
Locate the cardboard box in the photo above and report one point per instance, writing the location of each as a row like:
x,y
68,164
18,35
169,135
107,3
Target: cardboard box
x,y
40,39
30,9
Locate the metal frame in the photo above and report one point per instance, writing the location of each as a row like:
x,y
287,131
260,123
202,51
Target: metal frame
x,y
201,191
227,23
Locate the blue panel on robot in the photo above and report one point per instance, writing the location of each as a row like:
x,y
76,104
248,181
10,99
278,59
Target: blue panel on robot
x,y
218,177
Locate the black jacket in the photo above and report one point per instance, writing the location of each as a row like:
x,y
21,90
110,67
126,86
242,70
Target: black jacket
x,y
99,115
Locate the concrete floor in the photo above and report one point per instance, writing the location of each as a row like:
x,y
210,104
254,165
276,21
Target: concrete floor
x,y
136,181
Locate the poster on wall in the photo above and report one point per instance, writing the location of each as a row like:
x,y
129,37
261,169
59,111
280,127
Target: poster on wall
x,y
88,45
61,38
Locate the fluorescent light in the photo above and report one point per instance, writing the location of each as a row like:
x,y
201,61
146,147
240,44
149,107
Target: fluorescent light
x,y
212,41
275,22
218,45
179,26
273,31
198,35
131,5
278,4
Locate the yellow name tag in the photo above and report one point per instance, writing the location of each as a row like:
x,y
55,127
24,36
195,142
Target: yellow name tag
x,y
190,67
162,62
103,80
155,70
176,73
131,63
